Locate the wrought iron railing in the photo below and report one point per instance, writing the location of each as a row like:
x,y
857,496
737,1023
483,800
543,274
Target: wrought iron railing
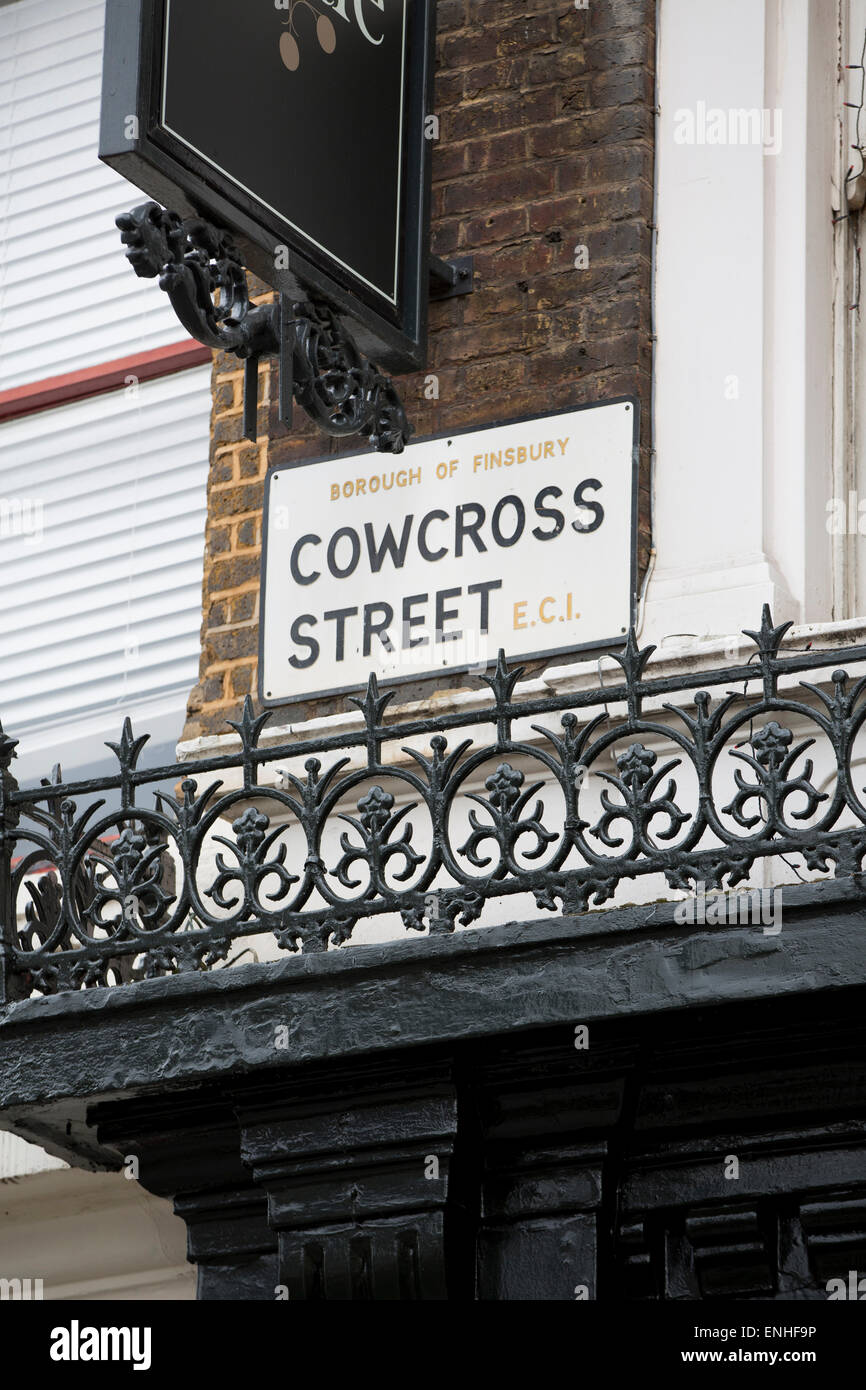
x,y
93,893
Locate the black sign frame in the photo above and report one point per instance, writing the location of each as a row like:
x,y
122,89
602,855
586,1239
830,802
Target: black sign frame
x,y
144,152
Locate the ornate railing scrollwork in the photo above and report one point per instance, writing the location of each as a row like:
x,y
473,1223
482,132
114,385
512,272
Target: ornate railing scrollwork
x,y
564,797
320,364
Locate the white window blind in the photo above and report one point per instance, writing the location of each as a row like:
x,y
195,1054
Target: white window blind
x,y
102,512
68,297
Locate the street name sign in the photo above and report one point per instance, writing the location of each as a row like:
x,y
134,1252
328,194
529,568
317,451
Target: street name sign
x,y
521,536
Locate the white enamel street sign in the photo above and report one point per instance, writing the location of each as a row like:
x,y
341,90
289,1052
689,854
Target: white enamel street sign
x,y
521,536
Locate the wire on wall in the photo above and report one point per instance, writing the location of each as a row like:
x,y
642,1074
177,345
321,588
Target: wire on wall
x,y
855,179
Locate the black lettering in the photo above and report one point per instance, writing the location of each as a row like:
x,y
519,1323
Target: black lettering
x,y
411,620
469,528
520,514
555,515
379,629
339,616
595,507
293,563
485,591
299,663
426,553
444,615
332,552
389,545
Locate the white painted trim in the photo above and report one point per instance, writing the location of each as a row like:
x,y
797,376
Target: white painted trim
x,y
745,389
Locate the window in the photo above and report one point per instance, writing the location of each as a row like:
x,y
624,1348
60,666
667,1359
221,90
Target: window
x,y
104,424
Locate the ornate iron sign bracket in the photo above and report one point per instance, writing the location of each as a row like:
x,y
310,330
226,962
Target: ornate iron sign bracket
x,y
320,365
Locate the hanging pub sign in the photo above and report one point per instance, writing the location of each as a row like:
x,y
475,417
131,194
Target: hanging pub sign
x,y
521,537
299,126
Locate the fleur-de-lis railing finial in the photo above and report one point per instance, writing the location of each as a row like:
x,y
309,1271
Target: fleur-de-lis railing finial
x,y
127,752
502,683
249,726
633,660
768,640
373,706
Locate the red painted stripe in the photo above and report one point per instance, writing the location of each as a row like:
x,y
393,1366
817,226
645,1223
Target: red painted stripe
x,y
54,391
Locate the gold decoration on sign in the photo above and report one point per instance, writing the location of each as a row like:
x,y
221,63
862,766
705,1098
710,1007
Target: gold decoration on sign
x,y
326,34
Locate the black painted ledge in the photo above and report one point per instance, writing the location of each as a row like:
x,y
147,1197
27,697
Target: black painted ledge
x,y
61,1055
432,1131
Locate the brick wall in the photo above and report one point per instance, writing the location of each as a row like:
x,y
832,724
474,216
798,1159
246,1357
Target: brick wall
x,y
546,143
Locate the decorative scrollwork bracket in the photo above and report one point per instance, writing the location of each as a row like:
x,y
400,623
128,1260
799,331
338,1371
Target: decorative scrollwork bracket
x,y
320,365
